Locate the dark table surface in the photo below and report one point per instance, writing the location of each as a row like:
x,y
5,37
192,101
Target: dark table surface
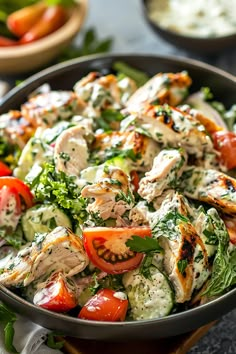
x,y
124,21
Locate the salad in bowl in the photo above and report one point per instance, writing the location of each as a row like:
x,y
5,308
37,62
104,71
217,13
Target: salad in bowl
x,y
117,198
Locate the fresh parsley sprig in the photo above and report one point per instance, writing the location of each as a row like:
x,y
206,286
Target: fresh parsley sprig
x,y
144,245
8,318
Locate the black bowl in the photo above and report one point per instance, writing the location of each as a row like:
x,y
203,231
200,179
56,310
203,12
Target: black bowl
x,y
64,76
200,45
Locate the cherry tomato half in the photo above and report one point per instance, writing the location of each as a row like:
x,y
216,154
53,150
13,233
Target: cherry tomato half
x,y
4,169
57,295
21,187
230,223
10,208
225,143
106,305
107,250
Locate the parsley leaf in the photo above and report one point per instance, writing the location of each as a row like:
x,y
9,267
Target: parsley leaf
x,y
58,188
182,264
146,244
53,342
224,267
7,318
145,266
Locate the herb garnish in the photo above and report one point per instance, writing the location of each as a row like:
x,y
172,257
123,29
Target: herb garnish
x,y
8,318
182,265
146,244
137,75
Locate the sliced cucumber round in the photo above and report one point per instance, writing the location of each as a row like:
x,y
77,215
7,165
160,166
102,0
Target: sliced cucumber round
x,y
43,218
150,297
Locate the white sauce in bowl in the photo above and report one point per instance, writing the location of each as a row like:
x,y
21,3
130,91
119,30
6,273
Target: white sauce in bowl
x,y
196,18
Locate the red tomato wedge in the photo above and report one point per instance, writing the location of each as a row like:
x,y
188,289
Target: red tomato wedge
x,y
4,169
106,305
20,187
57,295
52,19
20,22
225,143
230,224
10,208
107,250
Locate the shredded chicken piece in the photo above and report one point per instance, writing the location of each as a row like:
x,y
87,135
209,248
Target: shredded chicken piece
x,y
139,149
71,151
103,92
167,167
210,186
60,250
16,128
48,108
162,88
112,194
182,245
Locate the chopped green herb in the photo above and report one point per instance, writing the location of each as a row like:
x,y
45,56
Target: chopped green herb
x,y
52,341
64,156
182,264
137,75
7,318
58,188
207,94
146,244
145,266
199,257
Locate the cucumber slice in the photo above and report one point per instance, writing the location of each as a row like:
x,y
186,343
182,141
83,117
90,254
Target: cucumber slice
x,y
43,218
149,298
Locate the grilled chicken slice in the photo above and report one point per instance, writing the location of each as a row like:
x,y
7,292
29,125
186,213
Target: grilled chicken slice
x,y
182,246
16,129
208,123
112,194
162,88
60,250
208,224
137,148
48,108
210,186
167,167
71,151
103,92
171,127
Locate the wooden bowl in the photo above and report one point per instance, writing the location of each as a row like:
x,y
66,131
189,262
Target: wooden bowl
x,y
29,57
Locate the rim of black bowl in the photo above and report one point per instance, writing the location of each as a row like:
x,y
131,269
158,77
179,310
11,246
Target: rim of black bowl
x,y
187,314
88,58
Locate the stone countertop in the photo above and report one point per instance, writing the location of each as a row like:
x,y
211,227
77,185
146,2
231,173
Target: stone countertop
x,y
123,20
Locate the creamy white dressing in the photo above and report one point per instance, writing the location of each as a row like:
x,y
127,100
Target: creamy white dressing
x,y
211,18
